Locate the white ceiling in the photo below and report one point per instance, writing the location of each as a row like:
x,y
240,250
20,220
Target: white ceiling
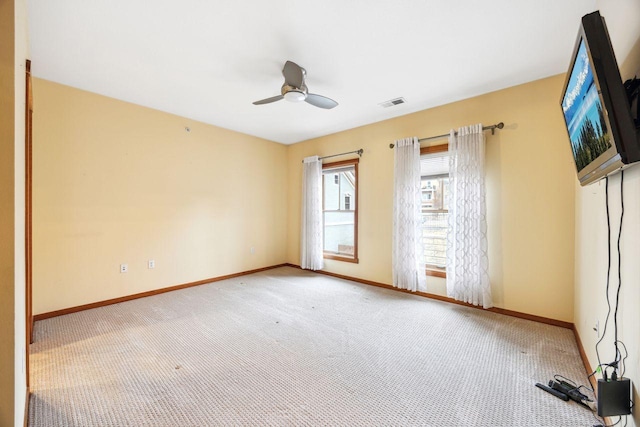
x,y
208,60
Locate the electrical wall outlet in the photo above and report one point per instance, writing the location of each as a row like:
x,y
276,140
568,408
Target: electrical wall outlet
x,y
151,264
124,268
252,250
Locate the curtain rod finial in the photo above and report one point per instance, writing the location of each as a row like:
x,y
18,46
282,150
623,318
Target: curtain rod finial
x,y
494,127
391,145
360,151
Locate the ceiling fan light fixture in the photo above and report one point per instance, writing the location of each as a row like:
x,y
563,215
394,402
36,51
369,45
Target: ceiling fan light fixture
x,y
294,96
294,89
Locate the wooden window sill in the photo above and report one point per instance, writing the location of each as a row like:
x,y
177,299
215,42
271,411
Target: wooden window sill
x,y
436,273
341,258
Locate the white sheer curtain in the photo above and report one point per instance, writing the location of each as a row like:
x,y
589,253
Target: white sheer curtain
x,y
311,256
407,252
467,261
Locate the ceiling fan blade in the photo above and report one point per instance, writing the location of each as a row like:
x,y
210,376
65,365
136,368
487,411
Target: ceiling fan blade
x,y
320,101
269,100
293,74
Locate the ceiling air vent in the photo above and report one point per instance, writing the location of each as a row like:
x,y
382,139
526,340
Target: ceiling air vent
x,y
392,102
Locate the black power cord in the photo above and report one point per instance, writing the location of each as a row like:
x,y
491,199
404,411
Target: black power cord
x,y
606,322
622,363
615,315
618,365
617,303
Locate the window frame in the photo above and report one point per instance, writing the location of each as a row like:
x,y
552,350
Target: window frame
x,y
429,270
354,201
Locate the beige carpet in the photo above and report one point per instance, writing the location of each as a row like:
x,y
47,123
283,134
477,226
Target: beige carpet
x,y
290,347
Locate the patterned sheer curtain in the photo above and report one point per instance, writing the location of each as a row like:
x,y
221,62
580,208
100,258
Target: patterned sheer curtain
x,y
467,261
311,254
407,251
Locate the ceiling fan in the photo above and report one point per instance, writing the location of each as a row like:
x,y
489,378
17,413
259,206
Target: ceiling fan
x,y
295,89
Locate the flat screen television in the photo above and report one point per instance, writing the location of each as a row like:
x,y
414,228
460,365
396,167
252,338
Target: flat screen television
x,y
595,106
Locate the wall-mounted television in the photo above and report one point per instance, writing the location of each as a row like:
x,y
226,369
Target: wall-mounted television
x,y
595,106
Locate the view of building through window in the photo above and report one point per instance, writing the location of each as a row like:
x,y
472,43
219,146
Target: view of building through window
x,y
434,186
339,210
435,217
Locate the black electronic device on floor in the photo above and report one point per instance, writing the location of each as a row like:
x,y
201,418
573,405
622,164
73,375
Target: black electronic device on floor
x,y
571,391
565,391
614,397
556,393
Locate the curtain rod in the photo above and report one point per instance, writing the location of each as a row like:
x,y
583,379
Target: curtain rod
x,y
358,152
492,128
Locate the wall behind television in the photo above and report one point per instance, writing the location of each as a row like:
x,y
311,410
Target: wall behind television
x,y
623,22
120,183
530,194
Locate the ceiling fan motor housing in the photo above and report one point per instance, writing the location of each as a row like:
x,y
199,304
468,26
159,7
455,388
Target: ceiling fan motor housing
x,y
294,94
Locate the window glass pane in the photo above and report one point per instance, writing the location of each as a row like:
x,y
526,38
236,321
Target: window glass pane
x,y
434,238
331,192
339,205
339,232
435,204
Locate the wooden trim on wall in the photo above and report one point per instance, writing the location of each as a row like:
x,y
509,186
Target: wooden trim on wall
x,y
28,209
583,356
104,303
26,408
588,369
512,313
326,255
436,273
434,149
506,312
341,163
355,213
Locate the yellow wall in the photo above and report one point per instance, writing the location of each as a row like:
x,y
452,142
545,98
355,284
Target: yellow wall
x,y
119,183
623,22
530,194
13,53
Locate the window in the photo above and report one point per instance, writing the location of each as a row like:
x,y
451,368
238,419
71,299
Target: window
x,y
434,186
339,210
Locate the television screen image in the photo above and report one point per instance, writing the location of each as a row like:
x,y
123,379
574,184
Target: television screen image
x,y
583,112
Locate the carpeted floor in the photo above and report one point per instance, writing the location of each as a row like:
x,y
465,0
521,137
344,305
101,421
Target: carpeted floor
x,y
290,347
